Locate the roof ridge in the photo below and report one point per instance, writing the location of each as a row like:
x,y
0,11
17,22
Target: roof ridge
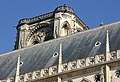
x,y
99,27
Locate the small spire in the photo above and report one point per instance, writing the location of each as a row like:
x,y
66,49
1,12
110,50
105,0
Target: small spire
x,y
65,8
107,47
60,58
64,5
17,70
60,54
102,23
106,67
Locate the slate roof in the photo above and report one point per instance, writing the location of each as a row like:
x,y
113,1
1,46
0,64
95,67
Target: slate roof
x,y
76,46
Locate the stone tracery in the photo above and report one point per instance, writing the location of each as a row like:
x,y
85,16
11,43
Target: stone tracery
x,y
39,34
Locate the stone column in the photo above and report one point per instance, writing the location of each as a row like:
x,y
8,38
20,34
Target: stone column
x,y
23,32
57,24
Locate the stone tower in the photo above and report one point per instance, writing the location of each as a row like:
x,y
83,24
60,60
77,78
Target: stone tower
x,y
61,22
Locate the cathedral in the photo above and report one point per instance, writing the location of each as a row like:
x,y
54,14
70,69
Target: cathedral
x,y
59,47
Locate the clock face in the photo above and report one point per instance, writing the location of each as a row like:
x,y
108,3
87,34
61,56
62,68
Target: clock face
x,y
40,35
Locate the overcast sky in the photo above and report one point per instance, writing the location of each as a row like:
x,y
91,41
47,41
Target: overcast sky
x,y
92,12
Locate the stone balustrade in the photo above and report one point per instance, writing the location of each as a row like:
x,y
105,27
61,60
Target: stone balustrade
x,y
80,63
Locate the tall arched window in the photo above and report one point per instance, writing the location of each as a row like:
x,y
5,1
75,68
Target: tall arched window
x,y
66,30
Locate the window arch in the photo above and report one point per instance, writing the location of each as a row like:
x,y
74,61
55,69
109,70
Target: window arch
x,y
66,28
40,35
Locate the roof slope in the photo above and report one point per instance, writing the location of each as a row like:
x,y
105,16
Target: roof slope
x,y
75,46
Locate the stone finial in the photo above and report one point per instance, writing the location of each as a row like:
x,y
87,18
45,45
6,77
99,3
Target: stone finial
x,y
64,5
102,23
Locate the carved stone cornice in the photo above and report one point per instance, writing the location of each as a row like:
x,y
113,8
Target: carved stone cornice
x,y
36,19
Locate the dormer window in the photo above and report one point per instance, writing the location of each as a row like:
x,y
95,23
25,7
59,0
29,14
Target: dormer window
x,y
55,54
97,43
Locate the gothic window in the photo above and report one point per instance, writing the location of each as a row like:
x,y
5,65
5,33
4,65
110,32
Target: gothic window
x,y
66,28
39,35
